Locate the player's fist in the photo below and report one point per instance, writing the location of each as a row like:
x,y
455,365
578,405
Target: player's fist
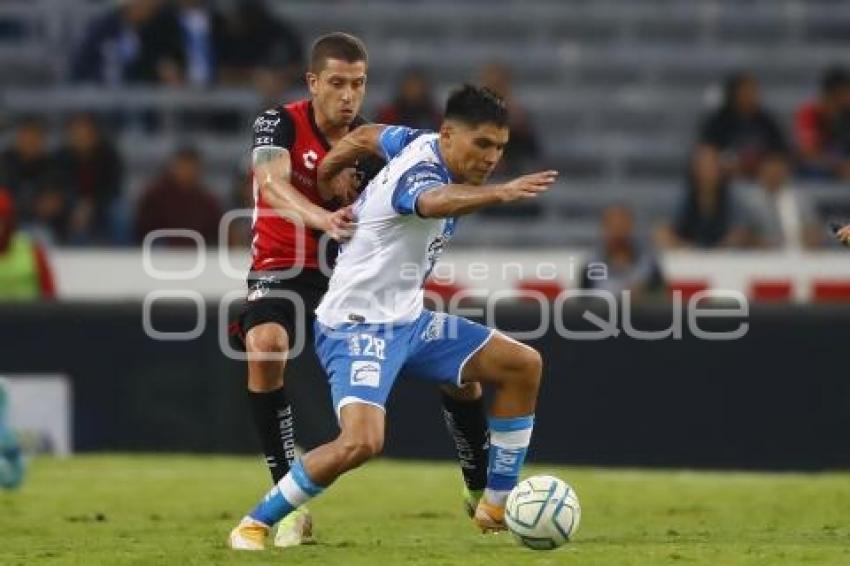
x,y
527,186
340,225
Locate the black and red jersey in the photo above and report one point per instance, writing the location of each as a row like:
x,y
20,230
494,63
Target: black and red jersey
x,y
279,243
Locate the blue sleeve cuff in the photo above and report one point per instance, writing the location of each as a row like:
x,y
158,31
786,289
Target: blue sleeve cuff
x,y
417,180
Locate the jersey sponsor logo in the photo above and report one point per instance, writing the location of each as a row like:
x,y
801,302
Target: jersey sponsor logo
x,y
422,180
425,177
266,125
366,373
310,157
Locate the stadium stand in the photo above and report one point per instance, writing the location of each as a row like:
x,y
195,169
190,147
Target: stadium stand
x,y
615,88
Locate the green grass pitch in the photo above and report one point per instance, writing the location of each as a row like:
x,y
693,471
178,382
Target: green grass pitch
x,y
116,509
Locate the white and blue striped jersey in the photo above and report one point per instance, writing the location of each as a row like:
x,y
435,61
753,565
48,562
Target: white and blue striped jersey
x,y
380,272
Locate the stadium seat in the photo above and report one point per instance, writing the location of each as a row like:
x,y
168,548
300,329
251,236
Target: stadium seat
x,y
549,288
771,290
830,290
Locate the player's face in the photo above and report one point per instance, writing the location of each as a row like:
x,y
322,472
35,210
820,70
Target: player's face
x,y
338,90
475,151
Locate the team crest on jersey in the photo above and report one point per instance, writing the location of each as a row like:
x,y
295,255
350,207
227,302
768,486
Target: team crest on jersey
x,y
366,373
310,157
435,327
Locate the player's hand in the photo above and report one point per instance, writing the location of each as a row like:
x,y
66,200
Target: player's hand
x,y
528,186
341,224
344,186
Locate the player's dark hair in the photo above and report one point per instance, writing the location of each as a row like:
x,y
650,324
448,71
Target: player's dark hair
x,y
833,79
475,105
336,45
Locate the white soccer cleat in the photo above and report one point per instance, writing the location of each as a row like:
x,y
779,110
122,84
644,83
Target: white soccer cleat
x,y
249,535
296,528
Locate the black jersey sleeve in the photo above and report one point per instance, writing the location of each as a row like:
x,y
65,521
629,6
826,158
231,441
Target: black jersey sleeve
x,y
274,128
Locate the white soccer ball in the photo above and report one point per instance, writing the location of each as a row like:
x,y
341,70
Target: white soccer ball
x,y
543,512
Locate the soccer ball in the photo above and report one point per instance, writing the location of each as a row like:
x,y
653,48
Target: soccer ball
x,y
542,512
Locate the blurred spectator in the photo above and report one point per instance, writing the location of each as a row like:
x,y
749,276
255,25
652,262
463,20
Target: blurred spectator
x,y
740,135
738,141
781,217
26,169
260,49
135,42
822,129
523,146
629,265
709,216
241,198
89,170
202,30
178,199
413,105
24,271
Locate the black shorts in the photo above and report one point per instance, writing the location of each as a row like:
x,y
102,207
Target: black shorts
x,y
294,312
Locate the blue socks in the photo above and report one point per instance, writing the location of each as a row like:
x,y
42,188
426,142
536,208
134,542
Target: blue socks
x,y
293,491
509,439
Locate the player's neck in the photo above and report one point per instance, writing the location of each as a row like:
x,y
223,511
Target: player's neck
x,y
332,132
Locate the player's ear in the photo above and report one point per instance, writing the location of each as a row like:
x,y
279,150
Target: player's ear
x,y
312,80
447,131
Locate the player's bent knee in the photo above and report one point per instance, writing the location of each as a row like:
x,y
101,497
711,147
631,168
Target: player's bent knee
x,y
267,338
532,366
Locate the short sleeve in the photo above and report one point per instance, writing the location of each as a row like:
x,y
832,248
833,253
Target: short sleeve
x,y
417,180
274,128
395,138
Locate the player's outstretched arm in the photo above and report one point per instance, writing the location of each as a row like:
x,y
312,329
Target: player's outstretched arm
x,y
271,170
456,200
362,142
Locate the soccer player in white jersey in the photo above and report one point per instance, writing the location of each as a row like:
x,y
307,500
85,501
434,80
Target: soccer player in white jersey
x,y
372,326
